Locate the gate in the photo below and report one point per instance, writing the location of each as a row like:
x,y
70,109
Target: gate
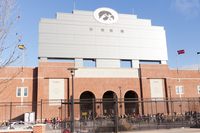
x,y
90,122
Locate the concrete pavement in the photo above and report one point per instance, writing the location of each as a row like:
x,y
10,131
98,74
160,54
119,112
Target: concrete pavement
x,y
173,130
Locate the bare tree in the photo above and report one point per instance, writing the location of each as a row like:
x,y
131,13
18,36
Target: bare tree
x,y
8,39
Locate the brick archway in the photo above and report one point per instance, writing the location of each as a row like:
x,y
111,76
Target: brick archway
x,y
131,103
108,103
87,104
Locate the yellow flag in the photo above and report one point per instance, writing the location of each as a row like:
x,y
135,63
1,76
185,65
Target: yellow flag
x,y
21,46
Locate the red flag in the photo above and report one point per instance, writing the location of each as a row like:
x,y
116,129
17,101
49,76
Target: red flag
x,y
181,51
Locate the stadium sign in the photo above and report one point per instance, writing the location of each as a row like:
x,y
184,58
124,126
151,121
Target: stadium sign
x,y
106,15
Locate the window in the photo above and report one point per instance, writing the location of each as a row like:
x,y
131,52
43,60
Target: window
x,y
179,90
70,60
198,89
150,62
18,92
25,92
126,63
22,92
89,62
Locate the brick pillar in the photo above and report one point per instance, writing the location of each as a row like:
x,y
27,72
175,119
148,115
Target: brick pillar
x,y
39,128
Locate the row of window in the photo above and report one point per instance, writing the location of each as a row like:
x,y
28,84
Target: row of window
x,y
180,89
123,63
92,63
23,91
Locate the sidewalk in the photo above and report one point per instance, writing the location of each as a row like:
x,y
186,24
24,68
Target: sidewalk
x,y
174,130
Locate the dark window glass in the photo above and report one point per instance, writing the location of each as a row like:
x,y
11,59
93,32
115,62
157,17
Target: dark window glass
x,y
150,62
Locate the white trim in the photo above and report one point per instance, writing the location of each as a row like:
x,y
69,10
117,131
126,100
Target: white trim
x,y
22,91
198,89
17,78
175,78
179,90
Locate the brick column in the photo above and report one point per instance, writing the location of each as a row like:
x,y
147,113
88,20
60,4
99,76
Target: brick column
x,y
39,128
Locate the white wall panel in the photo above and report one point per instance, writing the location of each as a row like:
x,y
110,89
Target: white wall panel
x,y
56,89
102,63
156,86
69,36
106,73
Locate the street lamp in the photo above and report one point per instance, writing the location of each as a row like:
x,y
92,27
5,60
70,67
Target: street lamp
x,y
22,48
170,96
72,71
120,95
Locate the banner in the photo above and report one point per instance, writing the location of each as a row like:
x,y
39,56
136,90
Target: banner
x,y
181,51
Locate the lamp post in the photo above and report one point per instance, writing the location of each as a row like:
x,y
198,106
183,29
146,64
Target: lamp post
x,y
120,95
72,71
22,47
170,96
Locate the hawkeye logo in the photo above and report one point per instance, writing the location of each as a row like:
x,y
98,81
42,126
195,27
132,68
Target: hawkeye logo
x,y
106,15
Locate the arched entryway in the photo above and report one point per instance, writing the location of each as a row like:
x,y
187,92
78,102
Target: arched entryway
x,y
87,105
108,103
131,103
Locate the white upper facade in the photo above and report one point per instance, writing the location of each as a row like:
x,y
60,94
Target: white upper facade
x,y
80,35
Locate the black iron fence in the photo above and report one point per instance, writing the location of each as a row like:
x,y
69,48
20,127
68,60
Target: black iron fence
x,y
107,115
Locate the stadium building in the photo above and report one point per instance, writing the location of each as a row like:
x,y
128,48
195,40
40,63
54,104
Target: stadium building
x,y
116,56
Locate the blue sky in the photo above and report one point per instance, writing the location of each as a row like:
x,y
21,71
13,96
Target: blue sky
x,y
180,18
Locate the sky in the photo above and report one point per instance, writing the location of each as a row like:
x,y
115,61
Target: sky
x,y
180,18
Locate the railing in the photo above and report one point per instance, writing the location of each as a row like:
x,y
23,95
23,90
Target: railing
x,y
108,115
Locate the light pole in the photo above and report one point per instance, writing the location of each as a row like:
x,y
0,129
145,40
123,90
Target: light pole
x,y
22,47
72,71
120,95
170,96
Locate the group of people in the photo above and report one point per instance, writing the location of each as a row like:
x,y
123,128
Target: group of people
x,y
55,122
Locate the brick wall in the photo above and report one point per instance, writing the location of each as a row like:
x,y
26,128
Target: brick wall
x,y
39,128
37,81
10,79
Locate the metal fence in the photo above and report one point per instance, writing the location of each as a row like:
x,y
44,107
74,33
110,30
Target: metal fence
x,y
108,115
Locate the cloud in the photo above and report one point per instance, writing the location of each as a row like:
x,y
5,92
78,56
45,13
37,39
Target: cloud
x,y
188,8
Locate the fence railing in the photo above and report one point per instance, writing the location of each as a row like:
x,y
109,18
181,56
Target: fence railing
x,y
108,115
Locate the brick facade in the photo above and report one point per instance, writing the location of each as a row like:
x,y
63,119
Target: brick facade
x,y
37,82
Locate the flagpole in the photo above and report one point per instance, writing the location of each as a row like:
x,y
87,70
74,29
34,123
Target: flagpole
x,y
177,64
179,52
198,58
74,5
